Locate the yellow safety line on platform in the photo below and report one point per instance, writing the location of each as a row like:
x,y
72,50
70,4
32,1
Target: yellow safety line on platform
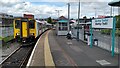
x,y
47,53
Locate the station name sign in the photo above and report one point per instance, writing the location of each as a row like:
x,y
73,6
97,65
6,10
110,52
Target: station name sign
x,y
102,23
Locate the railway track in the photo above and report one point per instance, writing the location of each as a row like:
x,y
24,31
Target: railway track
x,y
18,58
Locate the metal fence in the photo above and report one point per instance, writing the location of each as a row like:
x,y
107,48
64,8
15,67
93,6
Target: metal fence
x,y
104,41
6,31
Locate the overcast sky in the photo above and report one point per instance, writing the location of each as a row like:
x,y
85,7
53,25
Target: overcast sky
x,y
46,8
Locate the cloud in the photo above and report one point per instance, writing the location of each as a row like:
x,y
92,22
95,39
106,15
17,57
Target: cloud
x,y
8,3
46,10
68,0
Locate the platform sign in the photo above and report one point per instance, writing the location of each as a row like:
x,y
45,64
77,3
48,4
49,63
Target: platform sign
x,y
102,23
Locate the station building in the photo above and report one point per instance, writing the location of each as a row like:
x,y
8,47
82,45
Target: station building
x,y
62,25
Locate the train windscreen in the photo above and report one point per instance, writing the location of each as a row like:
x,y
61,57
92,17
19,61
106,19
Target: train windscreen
x,y
32,24
17,23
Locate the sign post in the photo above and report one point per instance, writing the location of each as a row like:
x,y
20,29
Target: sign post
x,y
91,35
113,36
109,23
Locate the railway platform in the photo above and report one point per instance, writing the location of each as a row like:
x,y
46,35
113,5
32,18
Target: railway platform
x,y
57,51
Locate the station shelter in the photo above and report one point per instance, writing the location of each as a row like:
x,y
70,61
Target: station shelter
x,y
62,26
115,3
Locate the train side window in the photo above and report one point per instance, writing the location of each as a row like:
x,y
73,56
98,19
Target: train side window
x,y
32,24
17,23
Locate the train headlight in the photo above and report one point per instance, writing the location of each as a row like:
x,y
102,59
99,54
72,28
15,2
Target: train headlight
x,y
17,33
31,33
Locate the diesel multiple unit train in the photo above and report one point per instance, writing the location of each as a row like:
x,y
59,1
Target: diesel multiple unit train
x,y
26,30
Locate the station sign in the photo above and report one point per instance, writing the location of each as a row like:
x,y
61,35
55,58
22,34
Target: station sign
x,y
102,23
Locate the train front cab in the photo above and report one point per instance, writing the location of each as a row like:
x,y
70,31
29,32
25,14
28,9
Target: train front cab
x,y
24,30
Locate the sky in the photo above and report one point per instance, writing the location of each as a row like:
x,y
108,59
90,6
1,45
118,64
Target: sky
x,y
46,8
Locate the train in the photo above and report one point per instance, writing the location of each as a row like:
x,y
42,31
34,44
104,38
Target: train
x,y
26,30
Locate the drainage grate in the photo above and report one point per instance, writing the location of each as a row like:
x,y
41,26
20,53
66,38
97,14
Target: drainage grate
x,y
102,62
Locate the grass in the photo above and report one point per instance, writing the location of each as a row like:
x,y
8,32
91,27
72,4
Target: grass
x,y
118,32
108,31
6,39
0,38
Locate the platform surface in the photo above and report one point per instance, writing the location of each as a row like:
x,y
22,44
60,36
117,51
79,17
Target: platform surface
x,y
71,53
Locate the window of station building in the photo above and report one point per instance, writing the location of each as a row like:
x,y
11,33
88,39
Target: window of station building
x,y
63,26
60,24
17,23
32,24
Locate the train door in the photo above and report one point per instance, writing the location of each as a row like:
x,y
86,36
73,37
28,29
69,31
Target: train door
x,y
24,29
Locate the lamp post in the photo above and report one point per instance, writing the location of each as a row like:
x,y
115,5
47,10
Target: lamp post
x,y
50,13
39,13
58,11
68,17
111,11
78,21
25,4
95,12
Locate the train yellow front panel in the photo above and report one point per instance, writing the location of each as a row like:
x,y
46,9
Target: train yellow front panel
x,y
24,29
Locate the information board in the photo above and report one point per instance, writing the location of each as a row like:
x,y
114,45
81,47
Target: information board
x,y
102,23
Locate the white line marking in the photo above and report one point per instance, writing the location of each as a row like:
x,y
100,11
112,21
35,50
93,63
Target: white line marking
x,y
29,61
102,62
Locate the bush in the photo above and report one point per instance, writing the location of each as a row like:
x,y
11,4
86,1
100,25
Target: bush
x,y
0,38
117,32
106,31
6,39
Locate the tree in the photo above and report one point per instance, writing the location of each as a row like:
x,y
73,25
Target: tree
x,y
85,19
49,20
118,21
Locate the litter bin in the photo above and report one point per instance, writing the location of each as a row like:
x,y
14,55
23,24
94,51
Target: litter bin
x,y
96,42
86,36
88,39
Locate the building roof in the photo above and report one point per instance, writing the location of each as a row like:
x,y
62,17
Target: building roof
x,y
63,21
62,18
115,3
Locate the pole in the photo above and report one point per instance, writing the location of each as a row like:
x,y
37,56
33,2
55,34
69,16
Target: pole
x,y
68,17
95,12
113,35
111,11
78,21
91,35
118,10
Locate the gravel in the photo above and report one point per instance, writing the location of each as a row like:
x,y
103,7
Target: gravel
x,y
8,49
